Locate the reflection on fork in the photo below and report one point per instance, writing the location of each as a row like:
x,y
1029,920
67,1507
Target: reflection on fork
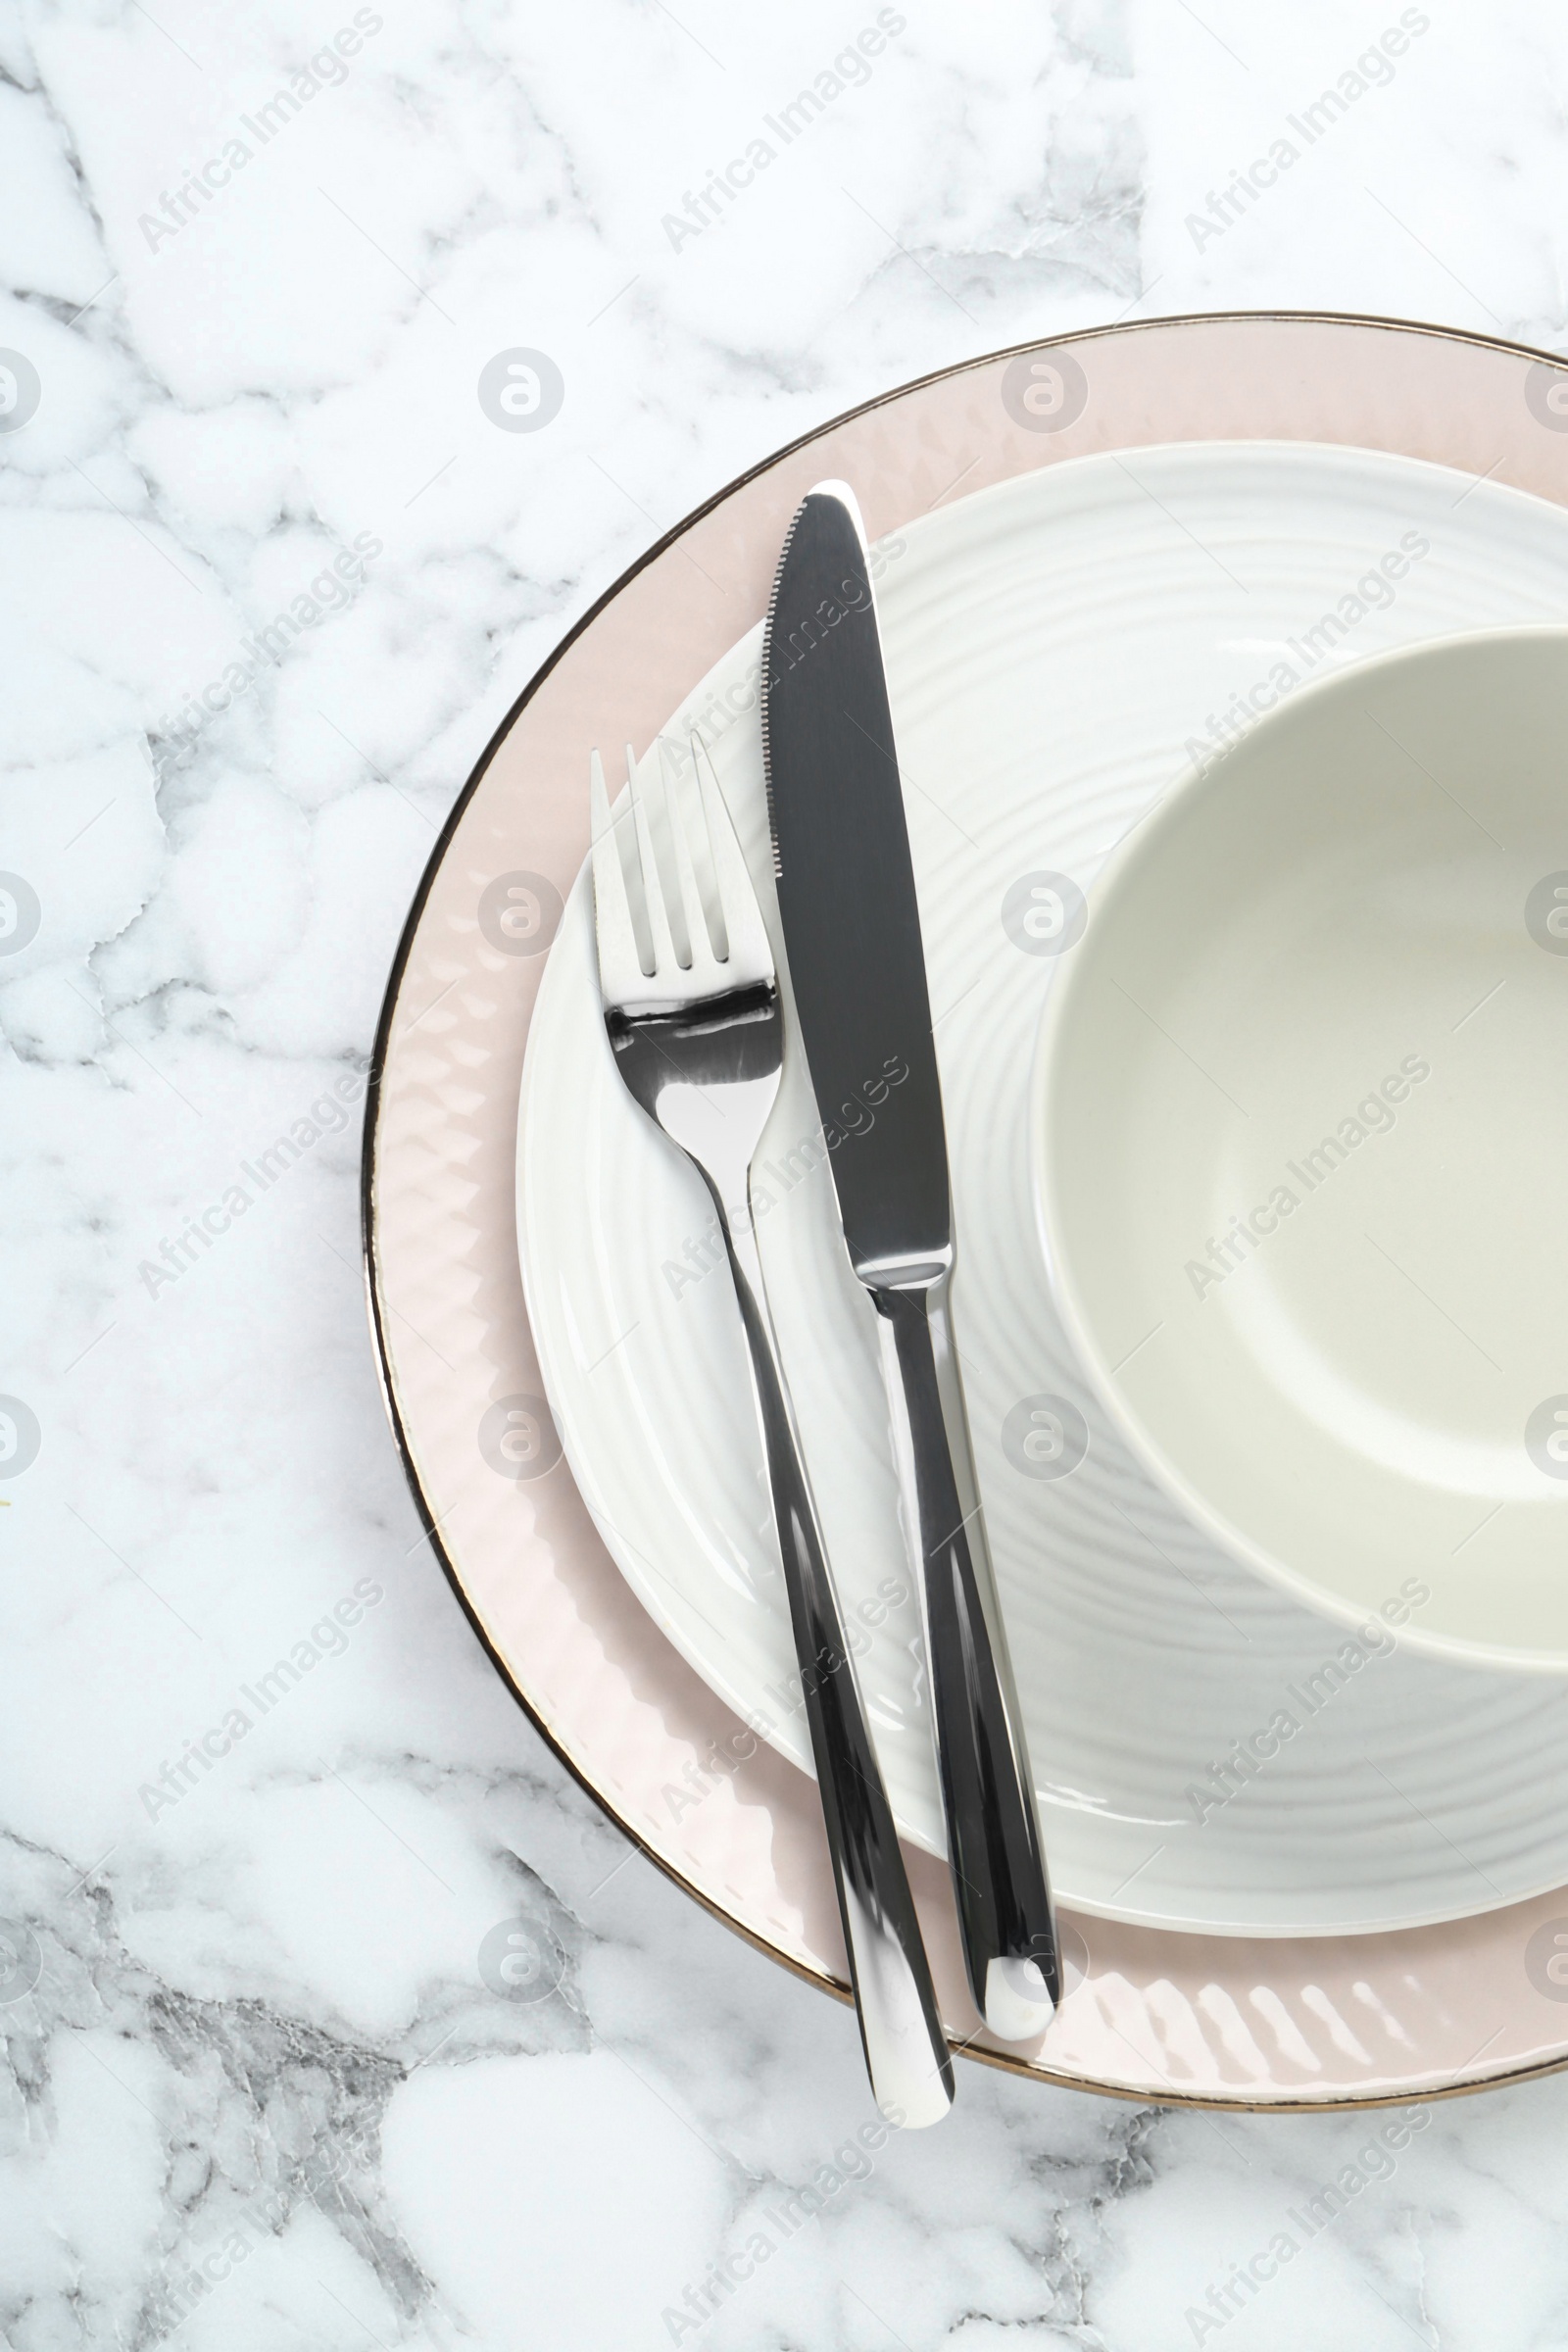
x,y
696,1025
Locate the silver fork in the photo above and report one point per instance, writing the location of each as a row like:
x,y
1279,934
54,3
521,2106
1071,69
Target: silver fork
x,y
700,1045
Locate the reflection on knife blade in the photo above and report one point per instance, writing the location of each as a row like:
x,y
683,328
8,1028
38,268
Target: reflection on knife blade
x,y
856,965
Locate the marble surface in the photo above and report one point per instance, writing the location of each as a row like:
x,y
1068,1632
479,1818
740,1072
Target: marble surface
x,y
273,565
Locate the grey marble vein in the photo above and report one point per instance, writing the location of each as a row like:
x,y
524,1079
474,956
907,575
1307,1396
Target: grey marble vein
x,y
367,2028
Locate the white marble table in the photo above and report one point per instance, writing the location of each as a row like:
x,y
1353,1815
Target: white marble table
x,y
258,2091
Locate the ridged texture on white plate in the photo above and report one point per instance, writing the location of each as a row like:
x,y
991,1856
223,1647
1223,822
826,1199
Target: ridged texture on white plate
x,y
1057,648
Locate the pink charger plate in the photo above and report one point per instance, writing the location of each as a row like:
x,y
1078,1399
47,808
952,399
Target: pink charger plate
x,y
1219,2021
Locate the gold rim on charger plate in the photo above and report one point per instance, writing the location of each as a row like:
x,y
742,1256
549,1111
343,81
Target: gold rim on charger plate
x,y
1272,375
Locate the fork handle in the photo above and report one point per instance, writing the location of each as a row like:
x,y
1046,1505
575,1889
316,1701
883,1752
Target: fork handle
x,y
907,2054
999,1868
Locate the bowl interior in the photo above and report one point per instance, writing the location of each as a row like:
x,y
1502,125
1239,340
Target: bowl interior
x,y
1301,1141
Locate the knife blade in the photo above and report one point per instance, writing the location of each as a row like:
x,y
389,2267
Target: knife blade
x,y
856,965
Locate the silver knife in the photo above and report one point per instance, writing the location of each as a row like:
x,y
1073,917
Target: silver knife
x,y
851,929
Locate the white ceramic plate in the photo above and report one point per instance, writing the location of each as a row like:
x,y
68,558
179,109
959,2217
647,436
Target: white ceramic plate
x,y
1059,648
1325,1190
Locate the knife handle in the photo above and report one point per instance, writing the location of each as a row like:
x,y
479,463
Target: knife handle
x,y
999,1884
906,2055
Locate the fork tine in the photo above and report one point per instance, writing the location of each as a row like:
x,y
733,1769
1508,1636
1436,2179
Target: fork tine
x,y
699,930
746,936
619,959
665,958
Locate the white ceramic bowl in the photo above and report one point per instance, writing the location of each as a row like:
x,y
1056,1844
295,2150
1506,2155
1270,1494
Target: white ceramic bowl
x,y
1300,1138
